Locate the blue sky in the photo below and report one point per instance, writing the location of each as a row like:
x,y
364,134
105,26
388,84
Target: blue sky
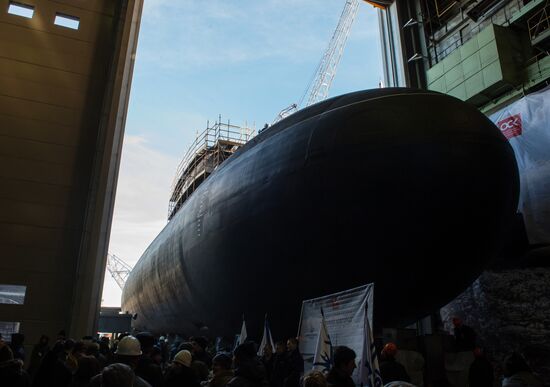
x,y
245,60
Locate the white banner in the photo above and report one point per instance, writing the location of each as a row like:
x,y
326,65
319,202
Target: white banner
x,y
526,124
345,314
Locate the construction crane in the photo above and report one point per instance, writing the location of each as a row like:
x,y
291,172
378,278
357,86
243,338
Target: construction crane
x,y
118,269
320,83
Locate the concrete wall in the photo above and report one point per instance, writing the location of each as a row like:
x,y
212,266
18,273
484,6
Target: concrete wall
x,y
63,102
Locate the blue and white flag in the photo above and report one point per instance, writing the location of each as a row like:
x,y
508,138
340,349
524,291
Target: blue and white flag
x,y
243,335
370,370
322,361
267,340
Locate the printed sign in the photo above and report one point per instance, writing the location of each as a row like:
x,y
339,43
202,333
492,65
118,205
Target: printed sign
x,y
526,124
511,126
345,314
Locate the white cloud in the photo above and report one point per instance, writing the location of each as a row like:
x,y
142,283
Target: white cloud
x,y
141,204
213,33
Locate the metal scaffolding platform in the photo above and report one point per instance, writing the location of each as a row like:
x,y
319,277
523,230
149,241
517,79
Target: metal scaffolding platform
x,y
211,148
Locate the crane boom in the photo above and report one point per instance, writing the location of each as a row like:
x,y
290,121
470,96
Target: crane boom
x,y
118,269
318,90
319,87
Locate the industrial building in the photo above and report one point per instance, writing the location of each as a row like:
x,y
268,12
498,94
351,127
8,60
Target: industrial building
x,y
488,53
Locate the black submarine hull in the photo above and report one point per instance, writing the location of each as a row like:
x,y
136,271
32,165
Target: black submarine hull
x,y
412,190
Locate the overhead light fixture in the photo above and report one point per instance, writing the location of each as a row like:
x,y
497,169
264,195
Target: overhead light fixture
x,y
415,57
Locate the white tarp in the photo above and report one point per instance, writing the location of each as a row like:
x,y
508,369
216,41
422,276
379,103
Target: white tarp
x,y
345,314
526,124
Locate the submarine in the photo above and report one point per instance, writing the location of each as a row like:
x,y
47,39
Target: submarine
x,y
411,190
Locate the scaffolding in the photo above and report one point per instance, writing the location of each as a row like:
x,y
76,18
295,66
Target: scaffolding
x,y
211,148
539,24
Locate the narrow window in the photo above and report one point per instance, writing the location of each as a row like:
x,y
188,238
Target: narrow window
x,y
8,328
67,21
21,9
12,294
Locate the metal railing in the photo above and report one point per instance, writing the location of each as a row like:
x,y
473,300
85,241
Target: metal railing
x,y
539,22
210,148
437,55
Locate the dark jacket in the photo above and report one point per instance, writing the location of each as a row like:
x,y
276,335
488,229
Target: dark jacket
x,y
201,370
465,338
481,373
12,374
268,365
280,369
149,371
178,375
337,378
393,371
295,369
38,353
53,372
203,356
138,382
221,379
249,373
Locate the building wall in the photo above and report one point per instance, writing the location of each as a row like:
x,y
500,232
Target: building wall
x,y
63,101
437,35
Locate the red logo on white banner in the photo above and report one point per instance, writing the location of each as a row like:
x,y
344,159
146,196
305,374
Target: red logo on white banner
x,y
511,126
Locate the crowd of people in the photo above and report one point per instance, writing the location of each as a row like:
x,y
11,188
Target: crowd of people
x,y
146,361
143,360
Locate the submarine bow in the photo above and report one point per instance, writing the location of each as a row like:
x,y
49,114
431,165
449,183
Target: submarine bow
x,y
412,190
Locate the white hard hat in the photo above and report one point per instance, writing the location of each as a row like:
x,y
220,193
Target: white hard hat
x,y
128,346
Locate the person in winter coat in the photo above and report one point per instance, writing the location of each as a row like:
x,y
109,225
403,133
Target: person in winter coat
x,y
180,373
267,360
117,375
249,370
221,368
16,346
11,370
53,370
38,352
344,365
280,365
390,369
481,371
146,367
295,364
77,351
465,337
199,352
315,379
128,352
88,367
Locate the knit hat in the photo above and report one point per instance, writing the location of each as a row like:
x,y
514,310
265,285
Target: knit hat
x,y
390,350
184,358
